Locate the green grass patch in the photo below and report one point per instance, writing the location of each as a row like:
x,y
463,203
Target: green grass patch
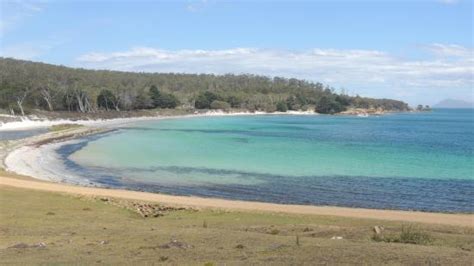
x,y
61,127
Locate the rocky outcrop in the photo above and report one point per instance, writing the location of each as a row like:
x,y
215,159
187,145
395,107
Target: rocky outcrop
x,y
364,111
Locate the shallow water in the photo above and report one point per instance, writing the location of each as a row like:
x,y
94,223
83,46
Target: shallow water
x,y
419,161
21,134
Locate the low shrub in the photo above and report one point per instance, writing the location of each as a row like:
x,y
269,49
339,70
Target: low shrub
x,y
220,105
408,235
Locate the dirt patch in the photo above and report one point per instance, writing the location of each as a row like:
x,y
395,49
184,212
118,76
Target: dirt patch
x,y
144,209
176,244
24,245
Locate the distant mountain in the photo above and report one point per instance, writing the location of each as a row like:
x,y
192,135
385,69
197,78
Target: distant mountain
x,y
452,103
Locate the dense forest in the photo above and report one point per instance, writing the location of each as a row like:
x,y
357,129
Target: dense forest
x,y
25,86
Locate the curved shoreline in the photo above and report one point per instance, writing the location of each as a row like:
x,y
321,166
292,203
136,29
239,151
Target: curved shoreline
x,y
36,150
58,138
466,220
26,124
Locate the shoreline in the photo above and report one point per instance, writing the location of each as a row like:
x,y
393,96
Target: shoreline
x,y
26,124
70,185
465,220
38,149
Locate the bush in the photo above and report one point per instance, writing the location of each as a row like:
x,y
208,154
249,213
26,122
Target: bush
x,y
167,100
269,108
234,101
281,107
408,235
142,101
329,105
274,232
412,236
61,127
162,100
204,100
220,105
292,103
106,100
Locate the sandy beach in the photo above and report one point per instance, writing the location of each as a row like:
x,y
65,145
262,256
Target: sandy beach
x,y
26,123
406,216
34,157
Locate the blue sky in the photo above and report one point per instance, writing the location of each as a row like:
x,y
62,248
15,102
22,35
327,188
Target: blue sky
x,y
417,51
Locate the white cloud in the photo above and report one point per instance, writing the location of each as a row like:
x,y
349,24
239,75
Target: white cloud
x,y
196,5
448,71
450,50
448,2
347,68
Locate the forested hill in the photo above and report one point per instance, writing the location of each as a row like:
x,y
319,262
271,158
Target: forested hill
x,y
26,85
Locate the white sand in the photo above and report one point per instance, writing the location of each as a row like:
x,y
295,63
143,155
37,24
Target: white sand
x,y
42,163
26,123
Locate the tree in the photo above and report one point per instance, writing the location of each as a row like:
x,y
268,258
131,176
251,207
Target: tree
x,y
343,99
47,94
106,100
328,105
204,100
13,98
292,103
281,106
82,100
162,100
25,84
168,100
20,97
220,105
142,101
155,95
234,101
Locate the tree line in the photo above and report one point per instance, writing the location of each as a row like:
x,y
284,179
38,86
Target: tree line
x,y
26,85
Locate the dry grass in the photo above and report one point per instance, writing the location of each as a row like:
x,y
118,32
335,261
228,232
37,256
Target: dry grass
x,y
408,235
62,127
50,228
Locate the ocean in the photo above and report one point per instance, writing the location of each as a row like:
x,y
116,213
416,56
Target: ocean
x,y
408,161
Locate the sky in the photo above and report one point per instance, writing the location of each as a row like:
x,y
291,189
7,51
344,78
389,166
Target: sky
x,y
420,52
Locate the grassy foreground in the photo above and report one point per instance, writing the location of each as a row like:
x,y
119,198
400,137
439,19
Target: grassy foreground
x,y
52,228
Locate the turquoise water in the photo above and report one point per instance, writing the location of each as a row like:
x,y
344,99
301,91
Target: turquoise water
x,y
402,161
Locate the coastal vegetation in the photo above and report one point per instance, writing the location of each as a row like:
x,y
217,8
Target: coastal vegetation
x,y
408,235
26,86
421,108
62,127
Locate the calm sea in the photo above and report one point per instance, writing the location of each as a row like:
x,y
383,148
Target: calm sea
x,y
409,161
